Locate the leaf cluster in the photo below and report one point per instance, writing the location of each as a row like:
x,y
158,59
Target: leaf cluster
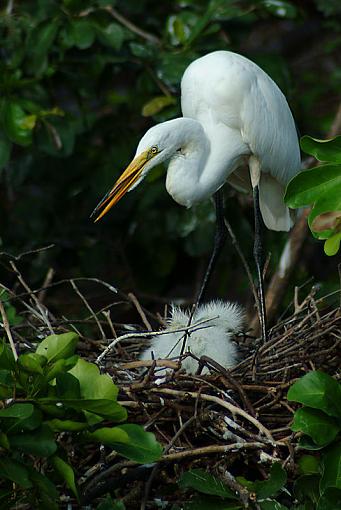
x,y
49,394
214,494
319,423
320,187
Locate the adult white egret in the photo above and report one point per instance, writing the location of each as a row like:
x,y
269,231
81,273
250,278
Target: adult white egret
x,y
236,127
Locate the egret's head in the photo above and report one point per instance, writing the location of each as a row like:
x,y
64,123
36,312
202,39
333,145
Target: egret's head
x,y
158,144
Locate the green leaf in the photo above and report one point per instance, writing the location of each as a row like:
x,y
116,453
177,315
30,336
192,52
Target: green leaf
x,y
330,500
32,422
111,35
109,504
14,471
102,407
210,503
321,428
40,43
4,442
326,213
66,473
93,384
14,119
44,486
277,479
308,464
306,443
206,483
331,467
5,150
67,386
309,185
131,441
7,360
318,390
66,425
332,245
271,504
307,487
60,366
323,150
157,104
18,411
39,442
82,33
7,384
55,347
32,362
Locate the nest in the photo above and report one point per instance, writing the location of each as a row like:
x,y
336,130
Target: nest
x,y
235,421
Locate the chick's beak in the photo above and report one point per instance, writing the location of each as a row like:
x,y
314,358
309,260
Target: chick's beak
x,y
122,185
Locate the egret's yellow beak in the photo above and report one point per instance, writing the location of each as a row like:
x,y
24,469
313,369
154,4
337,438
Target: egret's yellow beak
x,y
123,184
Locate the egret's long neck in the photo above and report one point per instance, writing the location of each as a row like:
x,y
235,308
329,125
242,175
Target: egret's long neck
x,y
186,165
200,169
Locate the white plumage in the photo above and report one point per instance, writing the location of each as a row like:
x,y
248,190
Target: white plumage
x,y
234,117
213,339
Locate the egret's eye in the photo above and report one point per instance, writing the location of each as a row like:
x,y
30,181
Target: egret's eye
x,y
154,150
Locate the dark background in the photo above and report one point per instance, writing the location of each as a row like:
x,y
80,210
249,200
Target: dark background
x,y
81,81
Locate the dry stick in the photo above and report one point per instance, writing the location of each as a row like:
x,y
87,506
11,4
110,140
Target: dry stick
x,y
231,380
78,292
215,448
106,314
148,363
8,330
131,26
243,259
292,248
42,309
235,486
339,269
137,305
211,398
25,253
48,279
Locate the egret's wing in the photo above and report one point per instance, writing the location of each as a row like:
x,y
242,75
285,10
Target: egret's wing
x,y
225,88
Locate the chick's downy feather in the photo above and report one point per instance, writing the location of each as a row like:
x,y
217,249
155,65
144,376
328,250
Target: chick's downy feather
x,y
212,338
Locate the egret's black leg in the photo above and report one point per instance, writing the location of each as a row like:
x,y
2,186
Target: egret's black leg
x,y
219,241
259,260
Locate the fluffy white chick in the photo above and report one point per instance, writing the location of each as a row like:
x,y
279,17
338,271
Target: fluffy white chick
x,y
213,339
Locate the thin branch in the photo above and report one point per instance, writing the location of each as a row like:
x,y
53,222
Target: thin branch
x,y
211,398
138,307
78,292
131,26
206,450
42,309
243,260
8,330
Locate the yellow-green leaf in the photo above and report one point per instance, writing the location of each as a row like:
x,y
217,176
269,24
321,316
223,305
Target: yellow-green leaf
x,y
332,245
157,104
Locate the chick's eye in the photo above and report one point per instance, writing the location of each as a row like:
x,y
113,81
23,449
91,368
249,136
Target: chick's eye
x,y
154,150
